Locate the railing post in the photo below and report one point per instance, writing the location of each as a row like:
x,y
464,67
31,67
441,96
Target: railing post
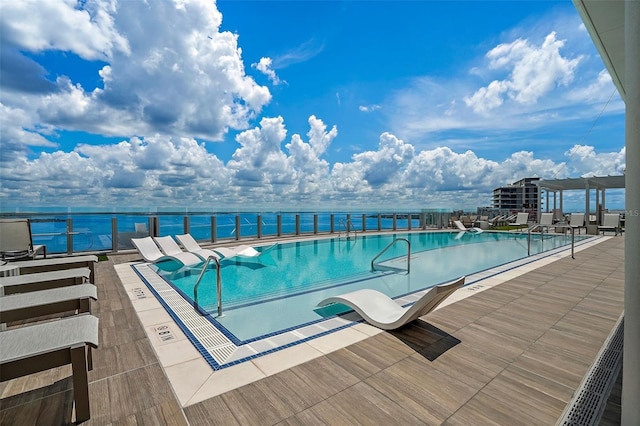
x,y
237,227
214,229
297,224
186,225
315,223
364,222
259,225
69,235
154,226
114,234
409,216
331,227
394,220
379,222
279,225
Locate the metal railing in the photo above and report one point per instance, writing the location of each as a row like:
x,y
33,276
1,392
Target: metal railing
x,y
391,244
536,226
348,225
196,306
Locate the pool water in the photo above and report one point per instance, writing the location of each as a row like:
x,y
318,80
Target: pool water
x,y
280,290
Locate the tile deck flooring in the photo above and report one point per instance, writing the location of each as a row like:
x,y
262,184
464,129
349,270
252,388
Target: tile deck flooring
x,y
513,353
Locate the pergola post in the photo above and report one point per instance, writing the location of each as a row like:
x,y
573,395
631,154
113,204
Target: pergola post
x,y
631,354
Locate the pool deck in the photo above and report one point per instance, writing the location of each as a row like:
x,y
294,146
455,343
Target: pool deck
x,y
510,351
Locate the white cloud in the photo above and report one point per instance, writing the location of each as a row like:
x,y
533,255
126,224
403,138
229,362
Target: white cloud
x,y
369,108
264,66
87,30
586,162
266,170
169,68
533,72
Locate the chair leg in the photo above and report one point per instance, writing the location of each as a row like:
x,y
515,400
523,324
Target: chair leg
x,y
80,383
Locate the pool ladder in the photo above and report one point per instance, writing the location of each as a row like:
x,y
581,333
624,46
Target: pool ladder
x,y
348,227
391,244
218,285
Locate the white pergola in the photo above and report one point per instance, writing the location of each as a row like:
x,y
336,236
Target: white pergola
x,y
587,184
614,27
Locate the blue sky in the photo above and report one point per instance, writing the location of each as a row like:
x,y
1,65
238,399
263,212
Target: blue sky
x,y
258,105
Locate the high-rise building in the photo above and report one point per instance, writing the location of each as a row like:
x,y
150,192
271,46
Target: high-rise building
x,y
518,197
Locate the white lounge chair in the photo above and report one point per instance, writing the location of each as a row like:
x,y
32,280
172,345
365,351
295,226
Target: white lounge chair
x,y
22,306
192,246
43,280
461,227
150,252
522,219
576,221
546,220
381,311
16,241
611,222
46,345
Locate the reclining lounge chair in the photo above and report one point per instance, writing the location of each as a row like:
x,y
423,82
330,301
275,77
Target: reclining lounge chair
x,y
546,220
22,306
242,251
16,241
48,265
461,227
381,311
611,222
577,221
151,253
43,280
169,246
42,346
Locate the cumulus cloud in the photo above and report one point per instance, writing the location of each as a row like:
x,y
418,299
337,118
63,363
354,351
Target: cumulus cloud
x,y
533,72
169,81
87,29
169,69
536,80
271,168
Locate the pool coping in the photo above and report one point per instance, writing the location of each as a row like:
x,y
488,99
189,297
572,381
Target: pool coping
x,y
193,378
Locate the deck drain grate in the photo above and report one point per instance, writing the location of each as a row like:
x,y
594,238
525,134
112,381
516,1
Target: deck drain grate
x,y
589,401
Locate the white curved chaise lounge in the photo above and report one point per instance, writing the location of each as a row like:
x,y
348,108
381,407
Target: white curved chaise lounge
x,y
461,227
191,245
381,311
151,253
169,246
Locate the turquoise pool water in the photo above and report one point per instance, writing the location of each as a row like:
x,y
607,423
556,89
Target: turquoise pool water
x,y
280,289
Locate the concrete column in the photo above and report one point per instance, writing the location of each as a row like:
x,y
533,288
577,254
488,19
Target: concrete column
x,y
631,372
587,207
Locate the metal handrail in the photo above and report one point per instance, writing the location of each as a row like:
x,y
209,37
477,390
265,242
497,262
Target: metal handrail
x,y
347,226
534,227
388,247
218,284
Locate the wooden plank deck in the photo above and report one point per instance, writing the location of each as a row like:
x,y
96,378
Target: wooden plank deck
x,y
512,354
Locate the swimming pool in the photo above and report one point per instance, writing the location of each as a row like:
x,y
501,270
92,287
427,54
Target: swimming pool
x,y
279,291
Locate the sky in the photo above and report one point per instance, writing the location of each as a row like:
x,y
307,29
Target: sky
x,y
298,105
